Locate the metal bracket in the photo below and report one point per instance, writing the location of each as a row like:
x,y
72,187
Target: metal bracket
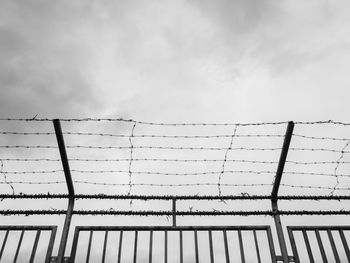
x,y
65,259
280,258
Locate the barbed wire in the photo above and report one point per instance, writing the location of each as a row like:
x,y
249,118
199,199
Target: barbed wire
x,y
174,124
254,172
135,184
176,148
170,213
171,160
171,197
172,136
141,135
320,138
177,185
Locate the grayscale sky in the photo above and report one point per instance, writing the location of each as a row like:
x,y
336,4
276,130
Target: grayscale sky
x,y
163,60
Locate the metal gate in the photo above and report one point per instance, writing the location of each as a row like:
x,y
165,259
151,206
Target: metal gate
x,y
320,243
41,237
185,243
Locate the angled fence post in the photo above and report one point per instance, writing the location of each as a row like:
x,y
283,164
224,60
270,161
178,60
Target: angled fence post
x,y
71,194
274,193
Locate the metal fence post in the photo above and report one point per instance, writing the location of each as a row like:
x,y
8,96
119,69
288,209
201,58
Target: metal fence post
x,y
71,194
174,210
274,193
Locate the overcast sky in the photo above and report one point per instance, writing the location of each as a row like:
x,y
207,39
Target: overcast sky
x,y
176,60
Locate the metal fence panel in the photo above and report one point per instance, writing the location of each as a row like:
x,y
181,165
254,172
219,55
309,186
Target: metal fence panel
x,y
166,243
320,243
23,243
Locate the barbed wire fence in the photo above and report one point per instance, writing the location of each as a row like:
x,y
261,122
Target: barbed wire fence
x,y
126,159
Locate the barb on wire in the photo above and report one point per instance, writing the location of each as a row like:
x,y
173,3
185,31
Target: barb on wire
x,y
5,177
337,166
224,162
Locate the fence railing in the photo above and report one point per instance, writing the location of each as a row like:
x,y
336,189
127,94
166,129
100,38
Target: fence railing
x,y
274,197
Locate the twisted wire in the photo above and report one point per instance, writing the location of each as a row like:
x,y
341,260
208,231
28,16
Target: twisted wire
x,y
5,177
337,166
131,158
224,162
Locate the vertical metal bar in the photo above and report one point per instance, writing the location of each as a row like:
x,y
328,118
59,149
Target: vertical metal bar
x,y
227,256
345,244
51,243
282,160
18,246
120,245
308,247
241,246
75,244
256,246
174,210
181,248
331,240
196,245
135,246
35,246
71,194
104,247
293,245
150,245
274,193
89,246
165,246
211,247
4,243
271,245
320,245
